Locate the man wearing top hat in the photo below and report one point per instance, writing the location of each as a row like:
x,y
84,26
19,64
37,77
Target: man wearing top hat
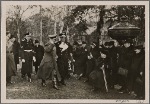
x,y
64,53
27,56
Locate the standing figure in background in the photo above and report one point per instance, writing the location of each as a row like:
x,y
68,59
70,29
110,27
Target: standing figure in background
x,y
98,77
85,53
124,63
80,60
39,53
10,62
140,79
64,53
113,65
27,56
16,49
48,68
136,63
92,55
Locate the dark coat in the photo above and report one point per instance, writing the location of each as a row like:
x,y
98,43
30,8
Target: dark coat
x,y
80,56
139,88
133,72
91,62
16,49
10,63
39,53
125,57
28,56
62,60
96,77
48,66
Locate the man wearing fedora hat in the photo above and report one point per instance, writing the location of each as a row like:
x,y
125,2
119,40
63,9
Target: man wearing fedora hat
x,y
48,67
27,56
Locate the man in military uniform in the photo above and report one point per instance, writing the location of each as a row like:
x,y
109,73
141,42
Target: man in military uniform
x,y
27,56
64,53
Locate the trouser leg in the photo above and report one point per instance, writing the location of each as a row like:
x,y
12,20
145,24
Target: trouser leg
x,y
55,82
8,79
29,75
36,68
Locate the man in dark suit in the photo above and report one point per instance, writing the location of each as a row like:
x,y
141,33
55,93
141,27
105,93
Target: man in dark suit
x,y
39,53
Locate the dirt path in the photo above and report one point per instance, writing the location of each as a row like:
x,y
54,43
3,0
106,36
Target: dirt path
x,y
75,89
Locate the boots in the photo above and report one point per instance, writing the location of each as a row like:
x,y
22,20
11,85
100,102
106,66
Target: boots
x,y
55,84
63,82
43,83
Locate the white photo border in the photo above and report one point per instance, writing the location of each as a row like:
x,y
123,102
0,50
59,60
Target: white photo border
x,y
3,51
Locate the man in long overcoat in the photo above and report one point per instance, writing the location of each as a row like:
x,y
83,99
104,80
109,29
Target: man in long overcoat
x,y
16,50
27,56
80,56
113,65
92,55
48,68
39,53
124,61
10,63
64,53
135,64
139,88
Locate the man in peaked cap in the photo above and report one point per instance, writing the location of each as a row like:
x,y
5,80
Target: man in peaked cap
x,y
27,56
64,53
48,67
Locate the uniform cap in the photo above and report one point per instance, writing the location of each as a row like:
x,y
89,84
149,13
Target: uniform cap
x,y
27,34
52,36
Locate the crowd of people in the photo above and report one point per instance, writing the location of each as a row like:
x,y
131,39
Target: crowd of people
x,y
103,65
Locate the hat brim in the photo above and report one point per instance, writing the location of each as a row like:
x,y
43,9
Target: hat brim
x,y
28,36
63,36
52,36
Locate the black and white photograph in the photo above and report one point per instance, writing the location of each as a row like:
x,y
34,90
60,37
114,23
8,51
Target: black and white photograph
x,y
75,51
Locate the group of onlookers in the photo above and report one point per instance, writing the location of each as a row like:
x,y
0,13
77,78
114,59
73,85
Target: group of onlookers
x,y
103,65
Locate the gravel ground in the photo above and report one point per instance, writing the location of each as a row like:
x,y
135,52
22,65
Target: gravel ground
x,y
75,89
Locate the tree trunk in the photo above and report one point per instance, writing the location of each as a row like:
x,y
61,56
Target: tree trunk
x,y
100,22
41,42
18,31
55,27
